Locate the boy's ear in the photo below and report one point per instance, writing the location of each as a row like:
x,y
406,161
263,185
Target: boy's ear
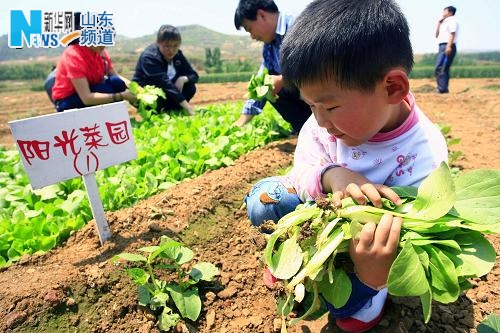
x,y
397,85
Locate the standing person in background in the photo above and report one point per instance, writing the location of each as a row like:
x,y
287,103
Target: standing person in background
x,y
446,34
265,23
85,76
163,65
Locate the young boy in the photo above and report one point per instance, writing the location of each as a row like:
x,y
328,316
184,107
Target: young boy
x,y
350,61
265,23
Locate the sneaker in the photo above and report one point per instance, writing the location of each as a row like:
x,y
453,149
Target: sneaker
x,y
367,317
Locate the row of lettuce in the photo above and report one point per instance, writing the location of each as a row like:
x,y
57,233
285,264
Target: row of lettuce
x,y
170,148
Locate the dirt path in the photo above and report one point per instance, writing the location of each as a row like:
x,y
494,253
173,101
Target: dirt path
x,y
76,288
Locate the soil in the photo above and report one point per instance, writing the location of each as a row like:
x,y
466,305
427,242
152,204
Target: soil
x,y
75,287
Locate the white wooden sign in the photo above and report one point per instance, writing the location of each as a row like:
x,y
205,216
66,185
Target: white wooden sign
x,y
75,143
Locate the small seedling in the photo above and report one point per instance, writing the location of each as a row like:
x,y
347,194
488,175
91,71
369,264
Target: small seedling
x,y
173,299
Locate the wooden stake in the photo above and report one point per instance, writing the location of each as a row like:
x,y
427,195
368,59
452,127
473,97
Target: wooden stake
x,y
97,208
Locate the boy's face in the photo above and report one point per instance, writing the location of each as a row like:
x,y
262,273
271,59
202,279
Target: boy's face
x,y
351,116
263,28
169,48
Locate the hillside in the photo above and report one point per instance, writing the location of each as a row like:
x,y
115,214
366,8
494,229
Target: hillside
x,y
195,38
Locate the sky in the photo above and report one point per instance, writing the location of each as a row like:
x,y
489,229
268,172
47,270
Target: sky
x,y
478,20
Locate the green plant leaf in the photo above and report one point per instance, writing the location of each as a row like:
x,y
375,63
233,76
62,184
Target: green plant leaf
x,y
476,257
174,250
426,301
435,195
490,324
261,91
339,292
288,259
48,192
204,271
284,305
130,257
159,300
444,280
187,302
74,201
478,196
407,276
144,296
138,275
168,319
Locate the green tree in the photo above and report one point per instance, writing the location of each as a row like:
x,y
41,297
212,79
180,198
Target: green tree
x,y
213,61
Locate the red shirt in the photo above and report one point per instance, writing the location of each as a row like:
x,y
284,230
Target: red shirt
x,y
78,62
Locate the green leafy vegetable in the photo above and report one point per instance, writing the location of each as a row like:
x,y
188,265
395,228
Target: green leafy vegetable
x,y
147,98
442,242
260,87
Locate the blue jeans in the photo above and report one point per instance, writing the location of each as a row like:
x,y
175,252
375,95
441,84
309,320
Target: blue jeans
x,y
442,69
270,199
111,85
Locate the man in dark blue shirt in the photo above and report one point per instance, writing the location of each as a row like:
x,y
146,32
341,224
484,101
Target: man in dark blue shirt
x,y
264,22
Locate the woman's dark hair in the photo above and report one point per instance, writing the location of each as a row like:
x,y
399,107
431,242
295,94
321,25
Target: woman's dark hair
x,y
353,43
168,32
247,10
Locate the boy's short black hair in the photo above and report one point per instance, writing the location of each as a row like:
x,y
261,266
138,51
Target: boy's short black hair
x,y
168,32
352,42
451,9
247,10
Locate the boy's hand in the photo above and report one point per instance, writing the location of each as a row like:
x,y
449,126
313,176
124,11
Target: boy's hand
x,y
342,182
375,250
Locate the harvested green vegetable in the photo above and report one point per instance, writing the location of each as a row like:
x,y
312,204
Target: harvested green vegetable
x,y
260,87
442,243
147,98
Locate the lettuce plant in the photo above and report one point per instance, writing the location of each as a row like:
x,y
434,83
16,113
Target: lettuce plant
x,y
177,297
442,243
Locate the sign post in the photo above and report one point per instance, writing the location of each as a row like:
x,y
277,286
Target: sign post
x,y
75,143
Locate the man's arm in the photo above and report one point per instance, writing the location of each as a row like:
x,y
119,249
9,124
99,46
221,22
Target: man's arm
x,y
438,26
451,40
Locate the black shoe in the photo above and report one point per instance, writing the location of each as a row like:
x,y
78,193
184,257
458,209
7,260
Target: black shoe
x,y
437,91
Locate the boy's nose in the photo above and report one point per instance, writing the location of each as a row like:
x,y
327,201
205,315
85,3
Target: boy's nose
x,y
321,118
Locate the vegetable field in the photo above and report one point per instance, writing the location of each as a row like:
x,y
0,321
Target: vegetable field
x,y
76,287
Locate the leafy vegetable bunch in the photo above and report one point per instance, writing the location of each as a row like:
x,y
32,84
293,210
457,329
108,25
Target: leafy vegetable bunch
x,y
441,246
147,98
260,87
169,298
